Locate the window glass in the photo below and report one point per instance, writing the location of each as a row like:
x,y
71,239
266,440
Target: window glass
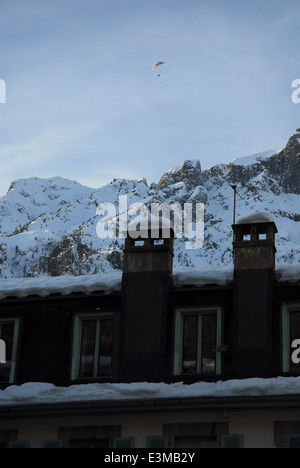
x,y
88,348
190,341
105,348
89,444
196,442
209,338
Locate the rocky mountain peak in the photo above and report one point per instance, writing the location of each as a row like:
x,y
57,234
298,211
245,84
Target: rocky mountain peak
x,y
285,166
190,174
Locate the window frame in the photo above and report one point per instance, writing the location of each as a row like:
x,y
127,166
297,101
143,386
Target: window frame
x,y
19,444
16,322
77,341
157,442
232,441
286,335
289,440
124,442
55,443
178,342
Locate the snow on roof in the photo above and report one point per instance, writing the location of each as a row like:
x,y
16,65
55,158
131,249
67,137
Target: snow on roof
x,y
108,282
46,285
288,273
202,276
256,218
45,393
112,282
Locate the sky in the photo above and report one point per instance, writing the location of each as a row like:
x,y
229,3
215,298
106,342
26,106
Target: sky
x,y
82,100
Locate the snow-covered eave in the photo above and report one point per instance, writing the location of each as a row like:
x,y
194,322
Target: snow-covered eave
x,y
256,392
202,277
112,283
223,276
288,273
60,285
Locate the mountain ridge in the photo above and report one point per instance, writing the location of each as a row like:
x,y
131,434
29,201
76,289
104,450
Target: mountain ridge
x,y
48,226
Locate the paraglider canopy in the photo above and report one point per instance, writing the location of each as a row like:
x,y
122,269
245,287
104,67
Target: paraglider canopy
x,y
157,64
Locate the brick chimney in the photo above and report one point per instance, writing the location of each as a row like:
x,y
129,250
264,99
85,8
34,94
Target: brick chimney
x,y
254,275
147,278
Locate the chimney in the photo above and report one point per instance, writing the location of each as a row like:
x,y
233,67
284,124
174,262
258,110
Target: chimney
x,y
147,278
152,250
254,275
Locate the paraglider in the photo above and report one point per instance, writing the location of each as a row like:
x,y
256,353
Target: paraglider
x,y
157,64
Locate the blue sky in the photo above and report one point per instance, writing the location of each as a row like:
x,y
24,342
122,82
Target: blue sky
x,y
83,102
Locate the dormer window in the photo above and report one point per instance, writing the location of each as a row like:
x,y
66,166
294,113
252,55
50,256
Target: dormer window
x,y
198,338
93,346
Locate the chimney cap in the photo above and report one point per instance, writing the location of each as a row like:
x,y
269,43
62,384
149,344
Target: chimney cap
x,y
256,218
162,226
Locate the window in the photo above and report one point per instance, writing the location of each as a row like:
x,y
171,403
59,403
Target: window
x,y
93,346
9,334
89,444
139,243
287,434
196,442
53,444
159,242
7,436
124,442
293,441
198,335
157,442
195,435
290,334
232,441
88,436
21,445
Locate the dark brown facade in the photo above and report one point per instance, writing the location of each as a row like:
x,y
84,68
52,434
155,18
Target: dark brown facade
x,y
153,331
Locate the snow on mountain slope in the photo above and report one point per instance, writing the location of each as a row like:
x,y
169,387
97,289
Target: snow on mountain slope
x,y
48,226
254,158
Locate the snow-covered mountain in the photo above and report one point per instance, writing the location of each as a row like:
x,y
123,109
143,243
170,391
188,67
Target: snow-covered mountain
x,y
48,226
